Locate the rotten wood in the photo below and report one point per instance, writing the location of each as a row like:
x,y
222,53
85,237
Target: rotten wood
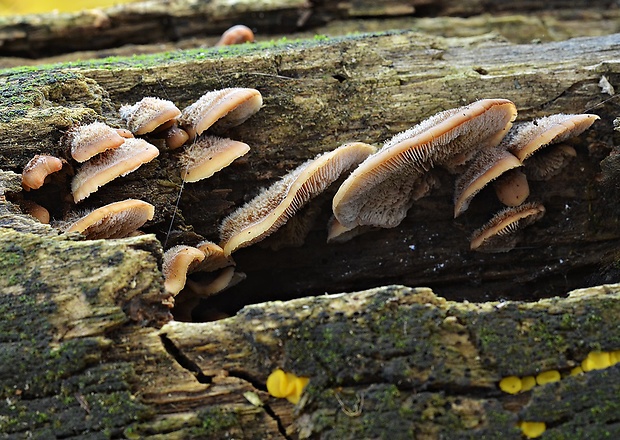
x,y
96,362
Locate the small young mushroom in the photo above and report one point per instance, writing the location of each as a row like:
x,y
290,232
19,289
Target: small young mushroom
x,y
86,141
498,234
38,168
512,188
228,107
174,137
226,279
35,210
237,34
149,114
208,155
380,191
550,162
271,208
487,165
178,261
111,164
527,138
115,220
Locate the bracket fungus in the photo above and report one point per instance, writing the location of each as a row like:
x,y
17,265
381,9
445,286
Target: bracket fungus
x,y
149,114
38,168
528,137
227,107
208,155
380,191
486,166
87,141
111,164
177,262
271,208
498,234
115,220
549,163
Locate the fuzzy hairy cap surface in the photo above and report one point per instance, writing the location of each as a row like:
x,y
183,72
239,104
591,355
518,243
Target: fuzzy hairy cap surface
x,y
115,220
86,141
111,164
148,114
271,208
381,190
38,168
208,155
177,263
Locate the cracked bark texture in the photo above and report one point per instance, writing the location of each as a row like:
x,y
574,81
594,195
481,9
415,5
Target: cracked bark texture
x,y
87,346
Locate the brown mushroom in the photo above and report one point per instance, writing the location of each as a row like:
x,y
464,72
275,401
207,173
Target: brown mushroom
x,y
237,34
116,220
35,210
499,233
549,163
275,205
381,190
512,188
174,137
486,166
111,164
228,107
38,168
86,141
149,114
208,155
527,138
177,262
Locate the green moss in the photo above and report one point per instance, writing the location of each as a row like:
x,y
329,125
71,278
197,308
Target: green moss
x,y
214,423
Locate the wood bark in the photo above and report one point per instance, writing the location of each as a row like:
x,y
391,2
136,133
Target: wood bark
x,y
88,348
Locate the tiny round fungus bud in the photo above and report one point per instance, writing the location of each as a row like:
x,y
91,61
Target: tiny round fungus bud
x,y
510,384
532,429
86,141
279,385
237,34
512,188
596,360
208,155
149,114
527,383
548,377
575,371
37,169
174,137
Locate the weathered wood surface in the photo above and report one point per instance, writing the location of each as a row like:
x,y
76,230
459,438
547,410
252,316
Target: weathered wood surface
x,y
82,352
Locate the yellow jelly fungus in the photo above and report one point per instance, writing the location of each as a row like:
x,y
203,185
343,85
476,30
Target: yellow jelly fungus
x,y
527,383
614,357
576,371
510,384
596,360
286,385
532,429
548,377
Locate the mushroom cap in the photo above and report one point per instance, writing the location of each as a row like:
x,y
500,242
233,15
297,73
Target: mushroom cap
x,y
381,190
86,141
548,377
148,114
527,138
512,188
35,210
229,107
111,164
174,137
116,220
208,155
497,235
37,169
226,278
550,162
271,208
510,384
214,257
486,166
177,262
237,34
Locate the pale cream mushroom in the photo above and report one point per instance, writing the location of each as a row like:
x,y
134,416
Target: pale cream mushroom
x,y
86,141
512,188
228,107
275,205
115,220
177,262
381,190
149,114
38,168
111,164
499,233
208,155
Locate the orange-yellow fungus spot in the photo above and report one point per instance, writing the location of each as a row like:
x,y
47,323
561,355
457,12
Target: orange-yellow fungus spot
x,y
532,429
576,371
596,360
510,384
614,357
286,385
527,383
548,377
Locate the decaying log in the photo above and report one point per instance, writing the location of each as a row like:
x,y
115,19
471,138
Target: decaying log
x,y
88,348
